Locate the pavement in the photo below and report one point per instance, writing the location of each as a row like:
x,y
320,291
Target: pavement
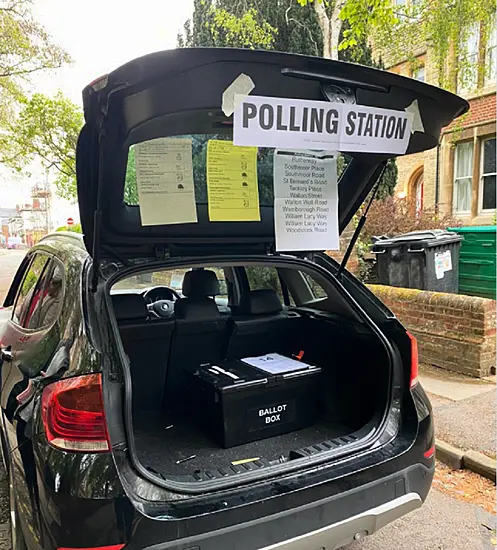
x,y
469,424
464,409
442,523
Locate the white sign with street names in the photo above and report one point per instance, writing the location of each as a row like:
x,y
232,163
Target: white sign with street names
x,y
305,200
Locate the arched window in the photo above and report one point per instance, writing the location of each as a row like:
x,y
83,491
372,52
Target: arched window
x,y
415,190
418,192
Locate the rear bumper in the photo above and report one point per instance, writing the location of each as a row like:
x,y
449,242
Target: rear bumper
x,y
364,510
355,528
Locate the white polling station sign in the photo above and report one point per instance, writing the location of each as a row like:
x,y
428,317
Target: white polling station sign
x,y
305,124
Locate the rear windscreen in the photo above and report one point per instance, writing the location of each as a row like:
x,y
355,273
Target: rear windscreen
x,y
199,146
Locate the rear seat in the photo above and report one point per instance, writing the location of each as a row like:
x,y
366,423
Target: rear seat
x,y
147,344
261,326
200,331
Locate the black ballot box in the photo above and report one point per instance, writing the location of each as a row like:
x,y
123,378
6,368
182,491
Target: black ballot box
x,y
235,402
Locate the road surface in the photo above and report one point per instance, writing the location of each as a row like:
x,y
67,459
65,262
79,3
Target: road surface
x,y
443,523
9,262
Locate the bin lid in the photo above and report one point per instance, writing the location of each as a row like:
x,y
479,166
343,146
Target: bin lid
x,y
425,238
474,229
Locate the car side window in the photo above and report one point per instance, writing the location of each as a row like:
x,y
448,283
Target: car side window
x,y
48,308
29,291
316,289
267,278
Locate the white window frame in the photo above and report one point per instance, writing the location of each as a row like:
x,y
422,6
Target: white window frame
x,y
469,87
480,186
490,79
413,73
409,6
462,212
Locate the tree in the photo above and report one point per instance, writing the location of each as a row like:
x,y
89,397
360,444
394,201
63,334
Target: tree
x,y
76,228
25,48
281,25
322,29
47,129
130,188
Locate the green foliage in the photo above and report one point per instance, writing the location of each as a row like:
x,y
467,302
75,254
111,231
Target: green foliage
x,y
25,48
264,278
388,180
47,130
281,25
76,228
442,24
197,31
364,16
130,188
242,32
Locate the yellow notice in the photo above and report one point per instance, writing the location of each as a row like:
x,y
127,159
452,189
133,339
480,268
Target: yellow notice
x,y
232,182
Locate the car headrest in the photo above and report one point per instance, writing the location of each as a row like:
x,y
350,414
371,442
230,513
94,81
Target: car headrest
x,y
198,283
198,309
260,302
129,307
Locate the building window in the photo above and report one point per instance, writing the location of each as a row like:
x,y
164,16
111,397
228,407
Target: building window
x,y
418,193
468,74
491,57
463,177
488,175
419,73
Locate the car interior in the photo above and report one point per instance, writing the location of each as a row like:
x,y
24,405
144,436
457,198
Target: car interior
x,y
221,315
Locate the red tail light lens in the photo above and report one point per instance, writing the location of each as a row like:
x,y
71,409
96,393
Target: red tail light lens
x,y
73,414
414,361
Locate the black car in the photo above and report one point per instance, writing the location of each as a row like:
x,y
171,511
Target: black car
x,y
186,385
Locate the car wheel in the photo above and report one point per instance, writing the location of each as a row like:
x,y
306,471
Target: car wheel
x,y
18,542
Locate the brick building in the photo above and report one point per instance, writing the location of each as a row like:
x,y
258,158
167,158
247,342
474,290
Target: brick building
x,y
459,176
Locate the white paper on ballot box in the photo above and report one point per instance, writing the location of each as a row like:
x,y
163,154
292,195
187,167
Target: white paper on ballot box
x,y
305,200
274,363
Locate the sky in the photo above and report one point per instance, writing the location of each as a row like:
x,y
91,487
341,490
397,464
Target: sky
x,y
99,35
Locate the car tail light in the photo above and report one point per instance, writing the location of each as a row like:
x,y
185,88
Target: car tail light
x,y
414,361
73,414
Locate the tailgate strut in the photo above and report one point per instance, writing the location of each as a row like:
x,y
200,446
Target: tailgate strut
x,y
361,223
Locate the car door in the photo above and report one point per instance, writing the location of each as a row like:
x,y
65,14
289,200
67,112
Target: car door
x,y
29,335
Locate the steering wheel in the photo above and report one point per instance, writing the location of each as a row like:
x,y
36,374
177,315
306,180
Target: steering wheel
x,y
160,301
160,293
162,308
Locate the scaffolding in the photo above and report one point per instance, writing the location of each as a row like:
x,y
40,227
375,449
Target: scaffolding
x,y
41,212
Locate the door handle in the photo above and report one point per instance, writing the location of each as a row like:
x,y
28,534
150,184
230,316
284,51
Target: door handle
x,y
6,354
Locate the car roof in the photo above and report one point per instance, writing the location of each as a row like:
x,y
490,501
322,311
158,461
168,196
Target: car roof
x,y
71,237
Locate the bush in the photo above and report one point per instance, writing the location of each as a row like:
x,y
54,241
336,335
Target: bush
x,y
76,228
393,216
